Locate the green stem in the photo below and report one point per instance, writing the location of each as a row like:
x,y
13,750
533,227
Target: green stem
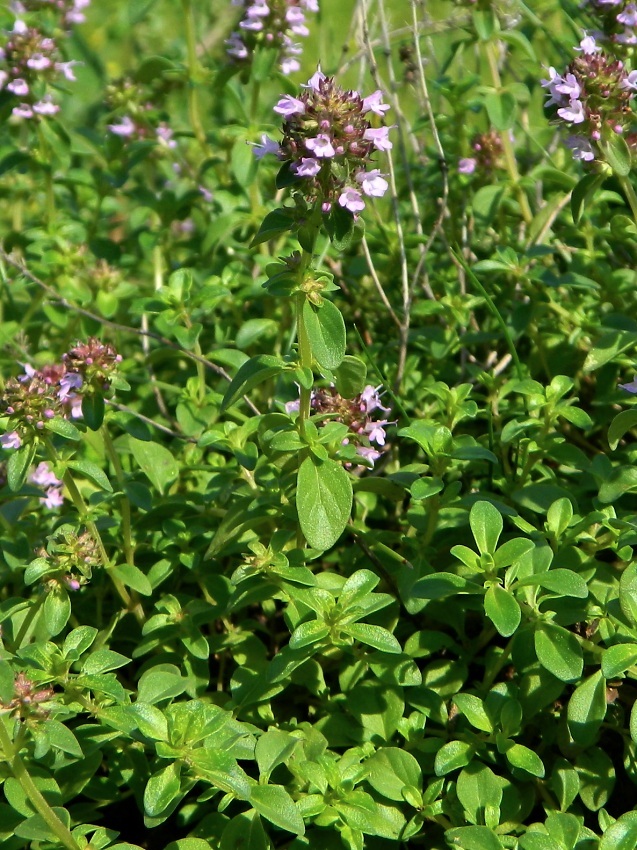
x,y
123,502
507,147
201,373
631,197
305,359
17,766
28,622
193,73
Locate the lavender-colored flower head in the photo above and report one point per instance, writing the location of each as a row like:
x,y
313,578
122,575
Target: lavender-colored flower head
x,y
66,12
486,155
592,97
93,362
328,143
31,63
616,21
359,414
272,24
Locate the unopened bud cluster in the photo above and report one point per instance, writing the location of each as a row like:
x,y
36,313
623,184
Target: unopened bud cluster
x,y
592,97
56,390
30,65
329,141
67,12
273,24
29,701
487,154
617,21
358,413
68,560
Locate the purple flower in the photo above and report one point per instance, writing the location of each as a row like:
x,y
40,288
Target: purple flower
x,y
22,111
53,498
42,476
310,5
267,146
631,388
352,200
315,80
368,453
289,105
38,61
71,583
630,82
569,87
628,16
374,103
18,87
296,19
10,440
126,127
236,47
206,194
627,37
588,45
379,138
307,167
372,183
46,106
371,398
467,165
292,406
68,382
376,432
321,146
165,135
582,148
574,112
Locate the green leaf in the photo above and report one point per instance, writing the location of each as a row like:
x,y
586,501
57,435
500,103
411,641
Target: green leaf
x,y
473,838
502,609
102,661
63,428
244,832
390,770
92,472
477,788
62,738
323,501
501,109
522,758
155,461
308,633
439,585
628,593
350,377
273,748
633,722
621,424
275,804
559,516
274,224
56,610
621,835
326,331
162,789
132,577
486,524
583,192
254,371
374,636
357,587
617,659
587,709
561,581
622,479
512,551
559,652
93,410
596,773
538,841
451,756
617,155
36,828
473,709
18,466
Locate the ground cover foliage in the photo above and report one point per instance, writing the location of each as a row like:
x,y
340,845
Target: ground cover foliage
x,y
318,500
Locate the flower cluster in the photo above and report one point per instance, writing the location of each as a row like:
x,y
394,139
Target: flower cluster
x,y
487,148
30,62
273,24
43,476
28,701
68,560
69,11
328,142
56,390
356,413
593,95
617,20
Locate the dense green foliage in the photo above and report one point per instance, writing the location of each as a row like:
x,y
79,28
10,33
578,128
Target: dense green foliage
x,y
235,614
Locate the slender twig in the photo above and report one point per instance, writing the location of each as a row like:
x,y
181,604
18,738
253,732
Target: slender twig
x,y
379,287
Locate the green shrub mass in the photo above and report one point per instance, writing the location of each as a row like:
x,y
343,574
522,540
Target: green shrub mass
x,y
317,425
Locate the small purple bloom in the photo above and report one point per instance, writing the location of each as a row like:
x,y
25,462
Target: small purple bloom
x,y
371,398
53,498
379,138
315,80
296,20
467,165
628,16
307,167
46,106
569,87
630,82
372,183
22,111
42,476
18,87
267,146
368,453
574,112
236,47
582,148
588,45
10,440
374,103
126,127
292,406
352,200
69,382
71,583
321,146
289,105
38,61
376,432
630,388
